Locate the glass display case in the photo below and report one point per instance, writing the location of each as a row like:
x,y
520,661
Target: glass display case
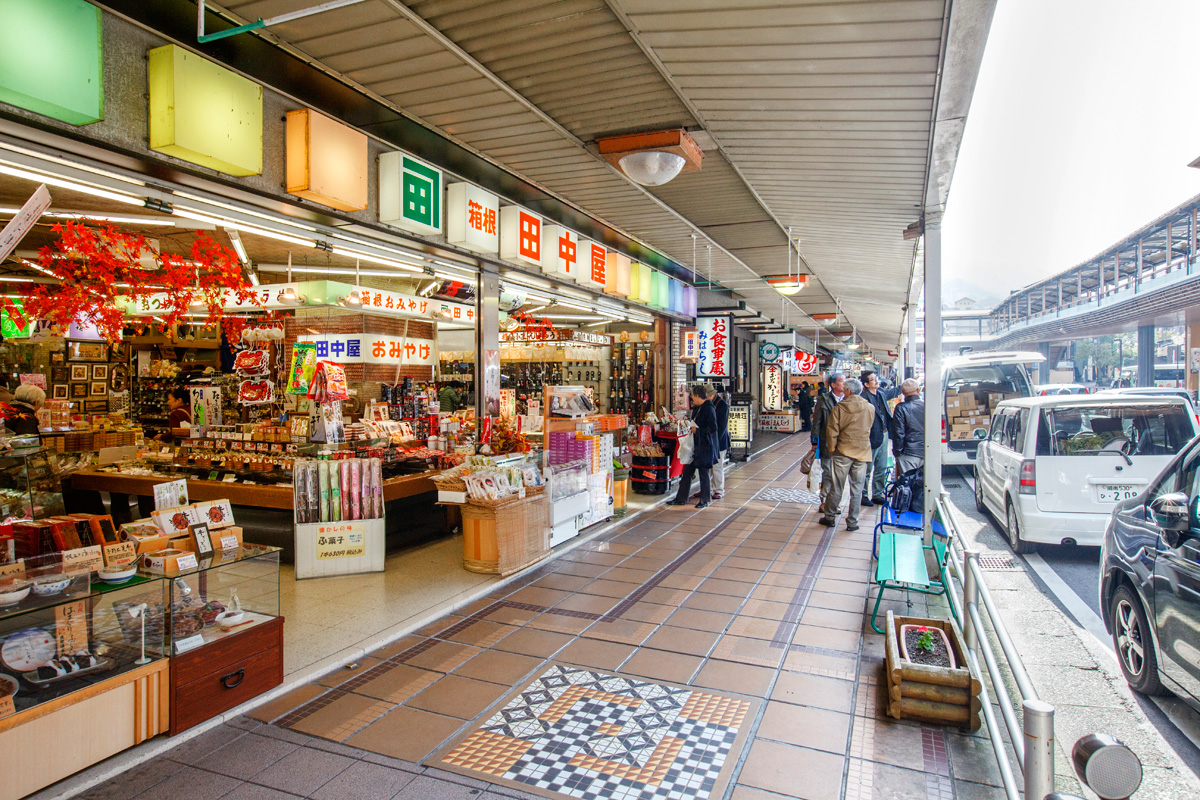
x,y
29,485
229,592
61,634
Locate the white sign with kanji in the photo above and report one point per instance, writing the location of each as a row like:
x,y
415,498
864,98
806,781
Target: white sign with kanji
x,y
520,236
713,352
562,252
372,348
772,387
472,218
593,263
379,301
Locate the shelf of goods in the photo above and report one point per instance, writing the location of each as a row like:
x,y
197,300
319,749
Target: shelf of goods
x,y
631,390
578,452
96,659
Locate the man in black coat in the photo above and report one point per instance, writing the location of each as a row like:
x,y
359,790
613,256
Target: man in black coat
x,y
704,450
721,408
881,429
908,445
825,405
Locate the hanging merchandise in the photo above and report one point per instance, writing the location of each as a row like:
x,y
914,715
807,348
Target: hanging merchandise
x,y
304,364
329,383
249,363
328,427
256,391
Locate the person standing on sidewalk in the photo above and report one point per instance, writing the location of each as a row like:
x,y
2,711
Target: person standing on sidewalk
x,y
721,409
704,449
849,434
908,445
825,406
804,402
876,479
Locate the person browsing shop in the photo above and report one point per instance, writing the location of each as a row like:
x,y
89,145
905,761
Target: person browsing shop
x,y
704,449
26,402
450,397
179,415
721,408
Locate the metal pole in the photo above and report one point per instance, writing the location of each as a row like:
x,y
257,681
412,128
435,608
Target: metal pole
x,y
934,391
1039,748
970,598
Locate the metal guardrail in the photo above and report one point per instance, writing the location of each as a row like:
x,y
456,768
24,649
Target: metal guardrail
x,y
1032,741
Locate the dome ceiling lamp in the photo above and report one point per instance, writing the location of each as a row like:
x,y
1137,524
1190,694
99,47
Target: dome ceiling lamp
x,y
652,158
788,284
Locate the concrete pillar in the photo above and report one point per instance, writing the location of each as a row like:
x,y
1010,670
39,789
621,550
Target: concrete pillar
x,y
1145,355
1044,367
1191,339
935,398
487,345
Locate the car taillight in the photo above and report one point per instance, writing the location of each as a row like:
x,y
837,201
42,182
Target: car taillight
x,y
1028,483
943,430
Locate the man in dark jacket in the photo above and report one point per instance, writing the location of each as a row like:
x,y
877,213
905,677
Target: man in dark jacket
x,y
825,404
722,410
804,402
881,429
908,444
704,451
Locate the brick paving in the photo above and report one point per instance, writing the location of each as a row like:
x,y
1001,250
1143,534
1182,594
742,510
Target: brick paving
x,y
748,604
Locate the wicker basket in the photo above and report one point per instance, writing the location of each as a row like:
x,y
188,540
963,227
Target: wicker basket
x,y
449,484
507,538
500,502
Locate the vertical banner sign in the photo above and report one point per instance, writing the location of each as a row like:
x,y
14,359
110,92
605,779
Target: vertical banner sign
x,y
593,270
471,220
562,252
712,357
520,236
410,194
689,345
773,387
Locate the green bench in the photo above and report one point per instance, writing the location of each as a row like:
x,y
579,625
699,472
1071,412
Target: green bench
x,y
901,564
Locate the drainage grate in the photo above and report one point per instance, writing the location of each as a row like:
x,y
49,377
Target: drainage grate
x,y
998,564
951,485
788,496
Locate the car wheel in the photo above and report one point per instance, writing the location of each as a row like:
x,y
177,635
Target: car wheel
x,y
979,506
1134,644
1015,541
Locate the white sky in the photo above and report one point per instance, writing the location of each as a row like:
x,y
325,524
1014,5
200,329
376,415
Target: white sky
x,y
1082,124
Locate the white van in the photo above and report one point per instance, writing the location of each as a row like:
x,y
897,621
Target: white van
x,y
1052,468
988,378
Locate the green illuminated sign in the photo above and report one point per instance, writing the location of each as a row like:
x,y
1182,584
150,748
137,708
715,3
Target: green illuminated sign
x,y
9,329
51,59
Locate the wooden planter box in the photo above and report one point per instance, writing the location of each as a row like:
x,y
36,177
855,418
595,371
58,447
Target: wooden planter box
x,y
930,694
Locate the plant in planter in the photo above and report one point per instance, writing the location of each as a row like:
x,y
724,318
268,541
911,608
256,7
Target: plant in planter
x,y
926,674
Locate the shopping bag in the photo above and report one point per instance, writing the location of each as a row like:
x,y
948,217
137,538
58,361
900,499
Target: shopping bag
x,y
687,446
806,463
814,478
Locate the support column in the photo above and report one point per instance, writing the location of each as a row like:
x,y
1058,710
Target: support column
x,y
1192,339
935,398
487,346
910,361
1044,367
1145,355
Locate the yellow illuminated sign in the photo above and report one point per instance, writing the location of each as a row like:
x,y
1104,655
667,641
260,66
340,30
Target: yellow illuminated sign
x,y
326,161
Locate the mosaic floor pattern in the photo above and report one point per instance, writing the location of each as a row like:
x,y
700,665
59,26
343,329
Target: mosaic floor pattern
x,y
773,495
593,735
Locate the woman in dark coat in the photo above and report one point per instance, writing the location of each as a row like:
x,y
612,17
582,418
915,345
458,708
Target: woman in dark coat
x,y
704,451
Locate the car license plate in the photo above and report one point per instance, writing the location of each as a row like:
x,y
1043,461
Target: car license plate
x,y
1115,493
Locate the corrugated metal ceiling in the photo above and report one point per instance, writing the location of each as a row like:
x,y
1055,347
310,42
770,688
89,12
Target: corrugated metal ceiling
x,y
821,113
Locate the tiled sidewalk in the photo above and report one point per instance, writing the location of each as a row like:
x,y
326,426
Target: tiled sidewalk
x,y
688,654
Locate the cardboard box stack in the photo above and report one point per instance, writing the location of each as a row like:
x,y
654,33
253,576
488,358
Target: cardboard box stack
x,y
969,412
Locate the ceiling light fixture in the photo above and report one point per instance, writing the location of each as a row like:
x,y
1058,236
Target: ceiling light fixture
x,y
238,247
652,158
789,284
74,186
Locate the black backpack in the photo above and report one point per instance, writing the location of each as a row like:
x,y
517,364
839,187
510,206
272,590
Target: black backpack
x,y
907,492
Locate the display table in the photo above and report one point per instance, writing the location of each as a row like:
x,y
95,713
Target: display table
x,y
669,442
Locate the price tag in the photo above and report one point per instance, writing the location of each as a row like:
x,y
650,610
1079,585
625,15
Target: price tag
x,y
172,494
83,558
230,478
186,562
70,628
189,643
120,554
15,568
7,709
229,542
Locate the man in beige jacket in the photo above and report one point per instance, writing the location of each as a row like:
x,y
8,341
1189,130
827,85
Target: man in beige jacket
x,y
849,435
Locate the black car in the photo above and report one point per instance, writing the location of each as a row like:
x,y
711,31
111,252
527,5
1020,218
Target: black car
x,y
1150,582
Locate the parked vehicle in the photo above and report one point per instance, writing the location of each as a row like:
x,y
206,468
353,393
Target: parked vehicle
x,y
1053,468
1050,389
1150,582
988,377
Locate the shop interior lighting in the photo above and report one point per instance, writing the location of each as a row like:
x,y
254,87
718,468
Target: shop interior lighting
x,y
37,177
247,211
289,294
346,271
72,164
575,306
99,216
448,277
539,308
597,324
238,247
387,262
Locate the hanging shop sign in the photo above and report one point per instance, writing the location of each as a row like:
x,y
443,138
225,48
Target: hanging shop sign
x,y
472,218
51,59
204,113
562,252
689,345
593,266
410,194
689,301
805,363
617,273
768,352
713,352
13,328
773,387
372,348
520,236
660,290
555,335
326,161
675,303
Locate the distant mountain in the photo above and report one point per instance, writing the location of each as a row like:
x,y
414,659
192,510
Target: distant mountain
x,y
955,288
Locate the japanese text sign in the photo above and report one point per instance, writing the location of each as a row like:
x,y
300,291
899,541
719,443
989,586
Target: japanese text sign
x,y
562,252
410,194
772,387
341,540
713,347
689,346
520,236
472,218
372,348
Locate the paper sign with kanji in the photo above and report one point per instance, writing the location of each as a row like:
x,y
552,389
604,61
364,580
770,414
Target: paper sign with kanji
x,y
562,252
593,265
520,236
473,218
713,353
410,194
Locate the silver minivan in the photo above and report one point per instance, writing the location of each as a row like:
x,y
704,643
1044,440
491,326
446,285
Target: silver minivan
x,y
1052,468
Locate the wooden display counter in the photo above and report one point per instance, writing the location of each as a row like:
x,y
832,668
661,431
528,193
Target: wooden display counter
x,y
238,494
